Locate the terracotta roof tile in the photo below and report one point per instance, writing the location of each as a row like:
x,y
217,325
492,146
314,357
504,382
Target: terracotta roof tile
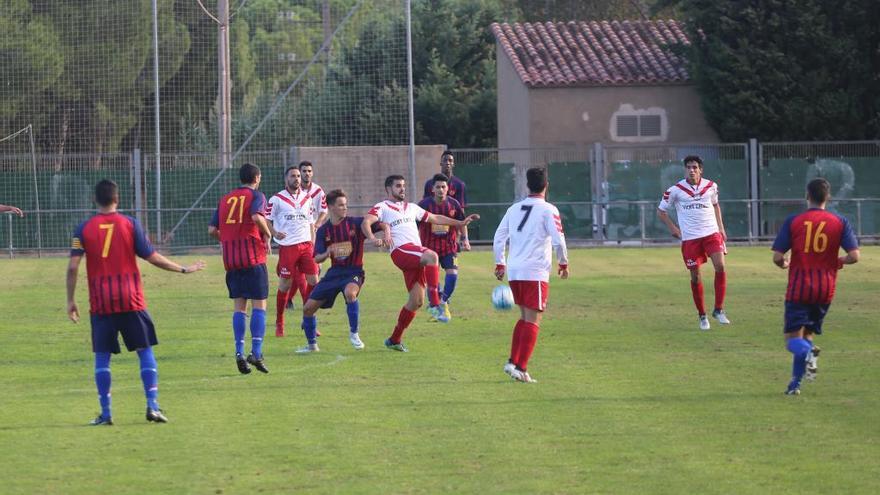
x,y
594,53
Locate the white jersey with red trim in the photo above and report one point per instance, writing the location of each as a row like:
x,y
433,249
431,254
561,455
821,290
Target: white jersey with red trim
x,y
319,200
532,227
401,218
694,206
291,214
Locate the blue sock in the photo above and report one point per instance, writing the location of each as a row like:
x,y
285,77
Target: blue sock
x,y
310,327
150,376
354,310
258,331
102,380
449,286
801,350
238,328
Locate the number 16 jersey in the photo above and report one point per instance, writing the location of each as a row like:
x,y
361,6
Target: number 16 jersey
x,y
533,227
814,238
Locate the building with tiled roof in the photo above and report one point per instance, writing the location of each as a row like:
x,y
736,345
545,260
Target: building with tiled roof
x,y
576,83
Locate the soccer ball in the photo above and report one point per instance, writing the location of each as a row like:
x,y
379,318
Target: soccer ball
x,y
502,297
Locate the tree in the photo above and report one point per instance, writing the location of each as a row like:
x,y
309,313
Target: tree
x,y
785,70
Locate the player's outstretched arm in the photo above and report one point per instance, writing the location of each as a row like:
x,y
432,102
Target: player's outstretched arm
x,y
673,229
851,258
164,263
367,229
10,208
444,220
72,273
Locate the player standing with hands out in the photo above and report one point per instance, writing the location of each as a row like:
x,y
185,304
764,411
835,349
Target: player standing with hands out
x,y
111,243
702,234
532,228
814,238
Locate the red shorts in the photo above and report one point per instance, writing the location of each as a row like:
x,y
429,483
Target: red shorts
x,y
695,252
297,257
530,293
408,258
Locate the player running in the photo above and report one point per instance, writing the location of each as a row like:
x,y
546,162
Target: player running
x,y
418,264
532,227
702,233
240,225
442,239
111,242
814,238
290,212
342,241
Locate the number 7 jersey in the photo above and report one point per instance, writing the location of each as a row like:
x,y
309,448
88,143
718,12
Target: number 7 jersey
x,y
532,227
814,238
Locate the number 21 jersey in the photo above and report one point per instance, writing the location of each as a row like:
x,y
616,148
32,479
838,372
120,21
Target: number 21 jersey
x,y
239,235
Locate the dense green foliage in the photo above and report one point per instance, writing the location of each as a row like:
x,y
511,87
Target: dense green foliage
x,y
631,398
787,70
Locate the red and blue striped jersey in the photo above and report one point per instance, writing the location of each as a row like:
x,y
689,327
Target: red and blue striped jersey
x,y
814,238
111,242
243,246
345,240
442,239
457,190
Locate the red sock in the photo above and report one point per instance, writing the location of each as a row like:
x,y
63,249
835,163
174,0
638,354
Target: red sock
x,y
514,341
291,293
720,289
306,292
432,277
528,338
697,291
403,320
280,304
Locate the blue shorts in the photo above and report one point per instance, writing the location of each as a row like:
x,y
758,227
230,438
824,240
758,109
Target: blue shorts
x,y
799,315
447,261
136,328
333,283
248,283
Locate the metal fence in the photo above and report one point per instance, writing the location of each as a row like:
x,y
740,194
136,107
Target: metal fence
x,y
605,193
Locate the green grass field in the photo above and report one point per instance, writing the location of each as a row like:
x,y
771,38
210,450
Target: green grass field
x,y
632,397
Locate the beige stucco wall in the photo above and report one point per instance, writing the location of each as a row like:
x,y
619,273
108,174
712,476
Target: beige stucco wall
x,y
579,116
567,116
361,170
513,105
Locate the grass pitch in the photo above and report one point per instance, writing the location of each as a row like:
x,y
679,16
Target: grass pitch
x,y
632,397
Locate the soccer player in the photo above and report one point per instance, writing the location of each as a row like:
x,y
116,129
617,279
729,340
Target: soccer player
x,y
239,223
814,238
418,264
342,241
290,212
319,212
442,239
531,227
11,209
111,242
702,234
457,188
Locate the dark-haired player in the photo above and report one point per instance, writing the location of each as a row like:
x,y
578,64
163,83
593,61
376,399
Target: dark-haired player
x,y
342,241
533,228
457,187
701,231
111,243
418,263
442,239
814,238
239,223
